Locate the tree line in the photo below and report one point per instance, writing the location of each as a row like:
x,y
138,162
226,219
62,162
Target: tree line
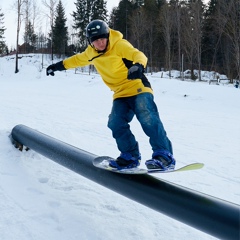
x,y
174,34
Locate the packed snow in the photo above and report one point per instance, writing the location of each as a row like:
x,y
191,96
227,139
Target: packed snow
x,y
43,200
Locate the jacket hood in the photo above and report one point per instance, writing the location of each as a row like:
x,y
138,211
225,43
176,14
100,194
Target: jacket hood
x,y
114,37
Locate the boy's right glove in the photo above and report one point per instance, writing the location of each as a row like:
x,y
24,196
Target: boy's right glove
x,y
135,71
55,67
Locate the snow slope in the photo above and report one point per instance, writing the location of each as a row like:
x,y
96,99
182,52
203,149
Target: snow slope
x,y
43,200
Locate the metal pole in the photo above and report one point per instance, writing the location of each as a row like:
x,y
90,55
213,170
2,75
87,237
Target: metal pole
x,y
182,68
206,213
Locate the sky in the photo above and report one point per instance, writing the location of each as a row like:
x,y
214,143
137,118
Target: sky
x,y
10,19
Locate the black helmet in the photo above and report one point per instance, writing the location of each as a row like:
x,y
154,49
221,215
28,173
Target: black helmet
x,y
97,29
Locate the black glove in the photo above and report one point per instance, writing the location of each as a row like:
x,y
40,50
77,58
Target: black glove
x,y
55,67
135,71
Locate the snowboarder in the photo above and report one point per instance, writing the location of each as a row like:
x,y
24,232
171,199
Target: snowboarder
x,y
121,67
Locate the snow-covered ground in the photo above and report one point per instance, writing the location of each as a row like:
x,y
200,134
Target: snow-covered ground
x,y
40,199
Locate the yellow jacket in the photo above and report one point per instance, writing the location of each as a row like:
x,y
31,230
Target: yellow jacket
x,y
111,65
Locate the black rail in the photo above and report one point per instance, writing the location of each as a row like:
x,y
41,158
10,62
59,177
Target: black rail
x,y
213,216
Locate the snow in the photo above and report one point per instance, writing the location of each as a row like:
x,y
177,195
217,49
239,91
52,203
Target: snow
x,y
43,200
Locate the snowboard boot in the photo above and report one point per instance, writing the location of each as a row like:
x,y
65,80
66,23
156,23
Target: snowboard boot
x,y
124,161
162,160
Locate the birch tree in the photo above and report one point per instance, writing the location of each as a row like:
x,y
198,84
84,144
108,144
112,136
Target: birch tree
x,y
167,28
2,30
51,6
19,8
229,17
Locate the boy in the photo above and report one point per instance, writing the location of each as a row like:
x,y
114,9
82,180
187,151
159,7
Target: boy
x,y
121,67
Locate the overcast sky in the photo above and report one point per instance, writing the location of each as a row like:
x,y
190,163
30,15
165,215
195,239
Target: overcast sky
x,y
10,17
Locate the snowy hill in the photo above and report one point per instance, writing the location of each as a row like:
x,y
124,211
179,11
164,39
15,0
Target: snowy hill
x,y
43,200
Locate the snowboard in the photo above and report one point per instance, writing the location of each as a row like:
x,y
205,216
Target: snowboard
x,y
103,163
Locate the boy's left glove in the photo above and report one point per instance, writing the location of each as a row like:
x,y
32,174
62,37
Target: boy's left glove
x,y
55,67
135,71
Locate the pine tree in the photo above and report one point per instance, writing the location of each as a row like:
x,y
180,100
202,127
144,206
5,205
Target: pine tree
x,y
86,11
122,15
30,38
112,18
210,36
2,30
99,10
60,31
